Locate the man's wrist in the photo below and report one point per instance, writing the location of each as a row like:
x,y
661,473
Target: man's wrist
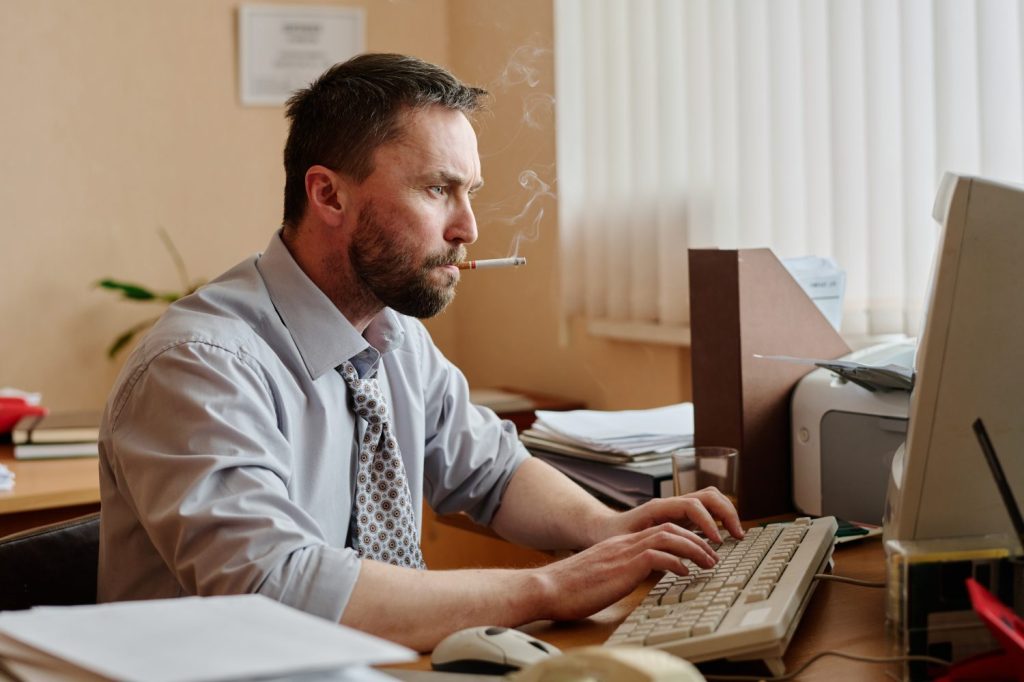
x,y
537,591
600,524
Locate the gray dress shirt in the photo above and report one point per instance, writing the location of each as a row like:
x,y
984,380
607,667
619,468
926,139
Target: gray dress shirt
x,y
227,449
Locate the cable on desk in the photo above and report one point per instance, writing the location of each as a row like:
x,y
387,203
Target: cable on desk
x,y
841,654
852,581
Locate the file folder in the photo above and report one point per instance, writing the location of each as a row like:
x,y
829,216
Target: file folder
x,y
744,303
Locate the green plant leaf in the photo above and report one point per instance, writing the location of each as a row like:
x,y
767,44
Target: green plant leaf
x,y
132,291
137,292
124,339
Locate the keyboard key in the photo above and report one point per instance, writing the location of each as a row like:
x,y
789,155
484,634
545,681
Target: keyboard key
x,y
667,636
756,595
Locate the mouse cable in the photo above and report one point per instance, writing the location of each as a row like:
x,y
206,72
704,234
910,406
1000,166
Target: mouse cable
x,y
852,581
806,664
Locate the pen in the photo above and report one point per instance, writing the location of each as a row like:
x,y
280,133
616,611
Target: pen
x,y
1009,501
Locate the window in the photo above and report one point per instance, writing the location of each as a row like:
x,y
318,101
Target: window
x,y
808,126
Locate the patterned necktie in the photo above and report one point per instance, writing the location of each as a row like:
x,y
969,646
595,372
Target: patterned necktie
x,y
385,523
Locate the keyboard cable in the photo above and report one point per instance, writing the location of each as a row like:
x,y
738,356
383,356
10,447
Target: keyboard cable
x,y
851,581
841,654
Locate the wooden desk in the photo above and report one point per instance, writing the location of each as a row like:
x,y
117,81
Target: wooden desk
x,y
840,617
47,490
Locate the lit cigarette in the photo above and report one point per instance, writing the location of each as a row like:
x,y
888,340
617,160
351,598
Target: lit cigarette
x,y
492,263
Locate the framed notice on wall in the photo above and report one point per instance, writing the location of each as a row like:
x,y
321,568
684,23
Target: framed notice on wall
x,y
283,48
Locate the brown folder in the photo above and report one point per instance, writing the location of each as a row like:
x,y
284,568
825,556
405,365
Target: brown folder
x,y
745,303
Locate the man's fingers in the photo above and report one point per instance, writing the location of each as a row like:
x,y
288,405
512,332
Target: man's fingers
x,y
721,507
658,560
701,517
679,541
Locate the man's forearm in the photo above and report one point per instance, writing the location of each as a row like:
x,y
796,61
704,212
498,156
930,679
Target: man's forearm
x,y
544,509
419,608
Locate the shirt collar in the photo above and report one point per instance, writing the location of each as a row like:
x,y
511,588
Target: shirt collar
x,y
323,336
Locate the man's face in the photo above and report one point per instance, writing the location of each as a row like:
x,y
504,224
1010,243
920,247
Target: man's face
x,y
414,213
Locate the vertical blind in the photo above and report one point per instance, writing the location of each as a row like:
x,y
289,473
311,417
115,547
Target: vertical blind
x,y
808,126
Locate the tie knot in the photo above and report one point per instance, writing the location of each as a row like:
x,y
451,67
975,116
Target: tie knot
x,y
367,400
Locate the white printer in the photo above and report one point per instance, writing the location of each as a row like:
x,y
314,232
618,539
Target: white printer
x,y
844,437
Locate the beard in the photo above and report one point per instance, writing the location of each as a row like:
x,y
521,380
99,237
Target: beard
x,y
389,270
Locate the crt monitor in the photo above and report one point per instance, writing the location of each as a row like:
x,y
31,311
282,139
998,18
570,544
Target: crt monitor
x,y
969,364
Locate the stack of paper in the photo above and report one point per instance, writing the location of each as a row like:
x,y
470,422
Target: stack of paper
x,y
621,436
194,639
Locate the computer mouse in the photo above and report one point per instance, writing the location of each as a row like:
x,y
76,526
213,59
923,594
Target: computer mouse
x,y
489,650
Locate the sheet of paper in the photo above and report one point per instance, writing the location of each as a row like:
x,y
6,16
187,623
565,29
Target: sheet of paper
x,y
872,377
285,47
823,281
194,639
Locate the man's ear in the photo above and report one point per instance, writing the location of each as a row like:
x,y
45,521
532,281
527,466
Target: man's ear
x,y
326,194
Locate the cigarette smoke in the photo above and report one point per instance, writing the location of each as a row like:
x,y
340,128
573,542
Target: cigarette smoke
x,y
538,107
539,190
521,67
524,69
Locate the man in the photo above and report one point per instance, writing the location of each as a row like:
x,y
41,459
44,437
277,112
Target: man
x,y
277,431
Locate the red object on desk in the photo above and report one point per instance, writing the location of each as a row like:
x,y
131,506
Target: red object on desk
x,y
1008,629
13,409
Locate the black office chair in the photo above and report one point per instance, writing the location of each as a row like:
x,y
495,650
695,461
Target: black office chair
x,y
53,565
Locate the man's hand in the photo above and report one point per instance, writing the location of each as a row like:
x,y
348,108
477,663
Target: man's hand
x,y
655,536
590,580
693,510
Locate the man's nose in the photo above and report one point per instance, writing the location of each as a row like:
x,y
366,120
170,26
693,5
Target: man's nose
x,y
462,225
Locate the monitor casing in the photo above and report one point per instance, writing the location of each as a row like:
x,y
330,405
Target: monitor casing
x,y
969,364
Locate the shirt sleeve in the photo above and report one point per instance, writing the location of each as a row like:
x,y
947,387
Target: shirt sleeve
x,y
195,448
471,454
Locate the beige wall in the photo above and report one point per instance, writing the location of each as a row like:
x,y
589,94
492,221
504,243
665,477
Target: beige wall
x,y
121,116
509,330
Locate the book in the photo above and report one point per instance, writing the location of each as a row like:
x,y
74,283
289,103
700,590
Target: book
x,y
56,450
625,484
58,427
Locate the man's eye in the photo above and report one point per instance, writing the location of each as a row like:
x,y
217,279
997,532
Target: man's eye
x,y
439,190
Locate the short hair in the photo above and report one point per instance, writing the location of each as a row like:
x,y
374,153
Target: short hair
x,y
353,108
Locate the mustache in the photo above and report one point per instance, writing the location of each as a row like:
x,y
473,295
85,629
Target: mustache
x,y
451,257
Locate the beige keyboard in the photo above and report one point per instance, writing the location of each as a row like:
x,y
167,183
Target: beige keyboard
x,y
746,607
